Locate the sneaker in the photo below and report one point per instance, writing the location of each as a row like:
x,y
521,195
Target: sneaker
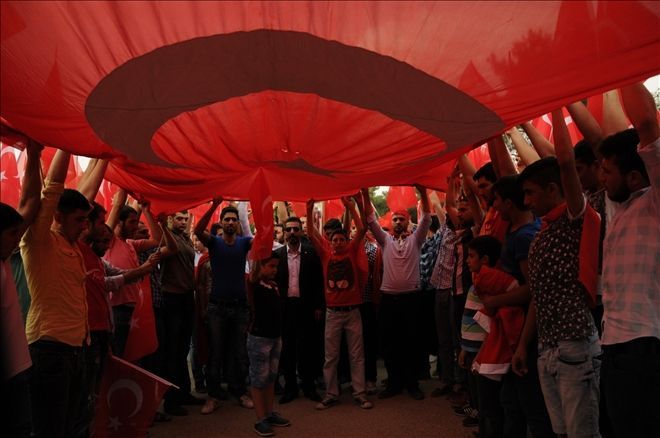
x,y
371,388
458,399
363,402
472,420
246,402
326,403
262,428
443,389
464,411
275,419
210,406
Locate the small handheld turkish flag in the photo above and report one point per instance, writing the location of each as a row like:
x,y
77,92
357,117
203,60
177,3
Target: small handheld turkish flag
x,y
128,400
142,339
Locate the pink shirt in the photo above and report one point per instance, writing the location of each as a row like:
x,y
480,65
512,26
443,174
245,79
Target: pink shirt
x,y
15,354
123,255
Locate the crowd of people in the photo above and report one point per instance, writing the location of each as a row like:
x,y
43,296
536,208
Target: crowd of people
x,y
534,283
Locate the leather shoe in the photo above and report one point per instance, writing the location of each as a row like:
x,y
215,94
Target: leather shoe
x,y
288,398
416,394
312,395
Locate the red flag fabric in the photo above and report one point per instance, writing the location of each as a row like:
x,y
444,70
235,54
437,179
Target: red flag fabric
x,y
401,198
128,400
339,95
142,339
544,126
10,184
333,209
262,213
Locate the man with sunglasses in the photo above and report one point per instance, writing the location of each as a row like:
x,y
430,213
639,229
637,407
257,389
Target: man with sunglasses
x,y
300,281
227,310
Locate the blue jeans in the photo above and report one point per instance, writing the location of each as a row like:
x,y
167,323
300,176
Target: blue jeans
x,y
227,337
264,354
570,376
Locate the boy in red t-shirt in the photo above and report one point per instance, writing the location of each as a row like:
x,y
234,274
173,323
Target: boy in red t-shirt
x,y
343,295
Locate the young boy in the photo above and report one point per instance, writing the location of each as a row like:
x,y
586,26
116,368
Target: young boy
x,y
264,343
563,270
343,297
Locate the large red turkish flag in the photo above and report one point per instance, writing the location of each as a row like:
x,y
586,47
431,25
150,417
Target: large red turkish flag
x,y
401,198
128,400
142,339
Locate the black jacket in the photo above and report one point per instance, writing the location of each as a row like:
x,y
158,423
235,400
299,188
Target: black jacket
x,y
311,276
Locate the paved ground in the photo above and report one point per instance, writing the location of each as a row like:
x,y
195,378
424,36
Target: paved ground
x,y
400,416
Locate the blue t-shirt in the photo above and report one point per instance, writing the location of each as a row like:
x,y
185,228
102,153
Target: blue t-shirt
x,y
516,247
228,267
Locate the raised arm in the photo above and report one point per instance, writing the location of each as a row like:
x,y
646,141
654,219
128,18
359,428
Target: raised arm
x,y
569,177
468,170
352,210
170,248
374,226
525,151
30,201
424,222
312,231
92,178
505,163
541,145
614,119
200,228
640,107
154,229
118,202
587,124
243,214
450,199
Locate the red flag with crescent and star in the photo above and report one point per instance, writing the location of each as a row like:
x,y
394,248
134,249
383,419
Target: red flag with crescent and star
x,y
142,339
128,400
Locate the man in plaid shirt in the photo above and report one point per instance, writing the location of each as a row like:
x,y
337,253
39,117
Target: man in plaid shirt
x,y
631,290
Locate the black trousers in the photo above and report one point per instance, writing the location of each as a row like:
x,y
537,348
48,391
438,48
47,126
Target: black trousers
x,y
370,340
57,389
400,338
178,313
630,377
299,346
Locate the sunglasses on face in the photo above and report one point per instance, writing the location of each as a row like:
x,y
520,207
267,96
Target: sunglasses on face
x,y
292,229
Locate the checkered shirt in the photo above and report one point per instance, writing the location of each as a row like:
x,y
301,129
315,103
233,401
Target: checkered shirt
x,y
156,293
631,261
442,276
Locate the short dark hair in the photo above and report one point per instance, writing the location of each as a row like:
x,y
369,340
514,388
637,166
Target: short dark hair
x,y
486,171
214,228
584,152
621,148
341,231
487,246
278,226
542,172
228,209
508,187
333,224
9,217
435,224
96,212
125,212
293,219
72,200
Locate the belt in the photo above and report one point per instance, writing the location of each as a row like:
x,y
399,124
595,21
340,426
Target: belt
x,y
342,308
228,301
399,296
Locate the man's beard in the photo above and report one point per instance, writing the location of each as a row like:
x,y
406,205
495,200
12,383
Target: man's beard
x,y
229,231
620,195
293,240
